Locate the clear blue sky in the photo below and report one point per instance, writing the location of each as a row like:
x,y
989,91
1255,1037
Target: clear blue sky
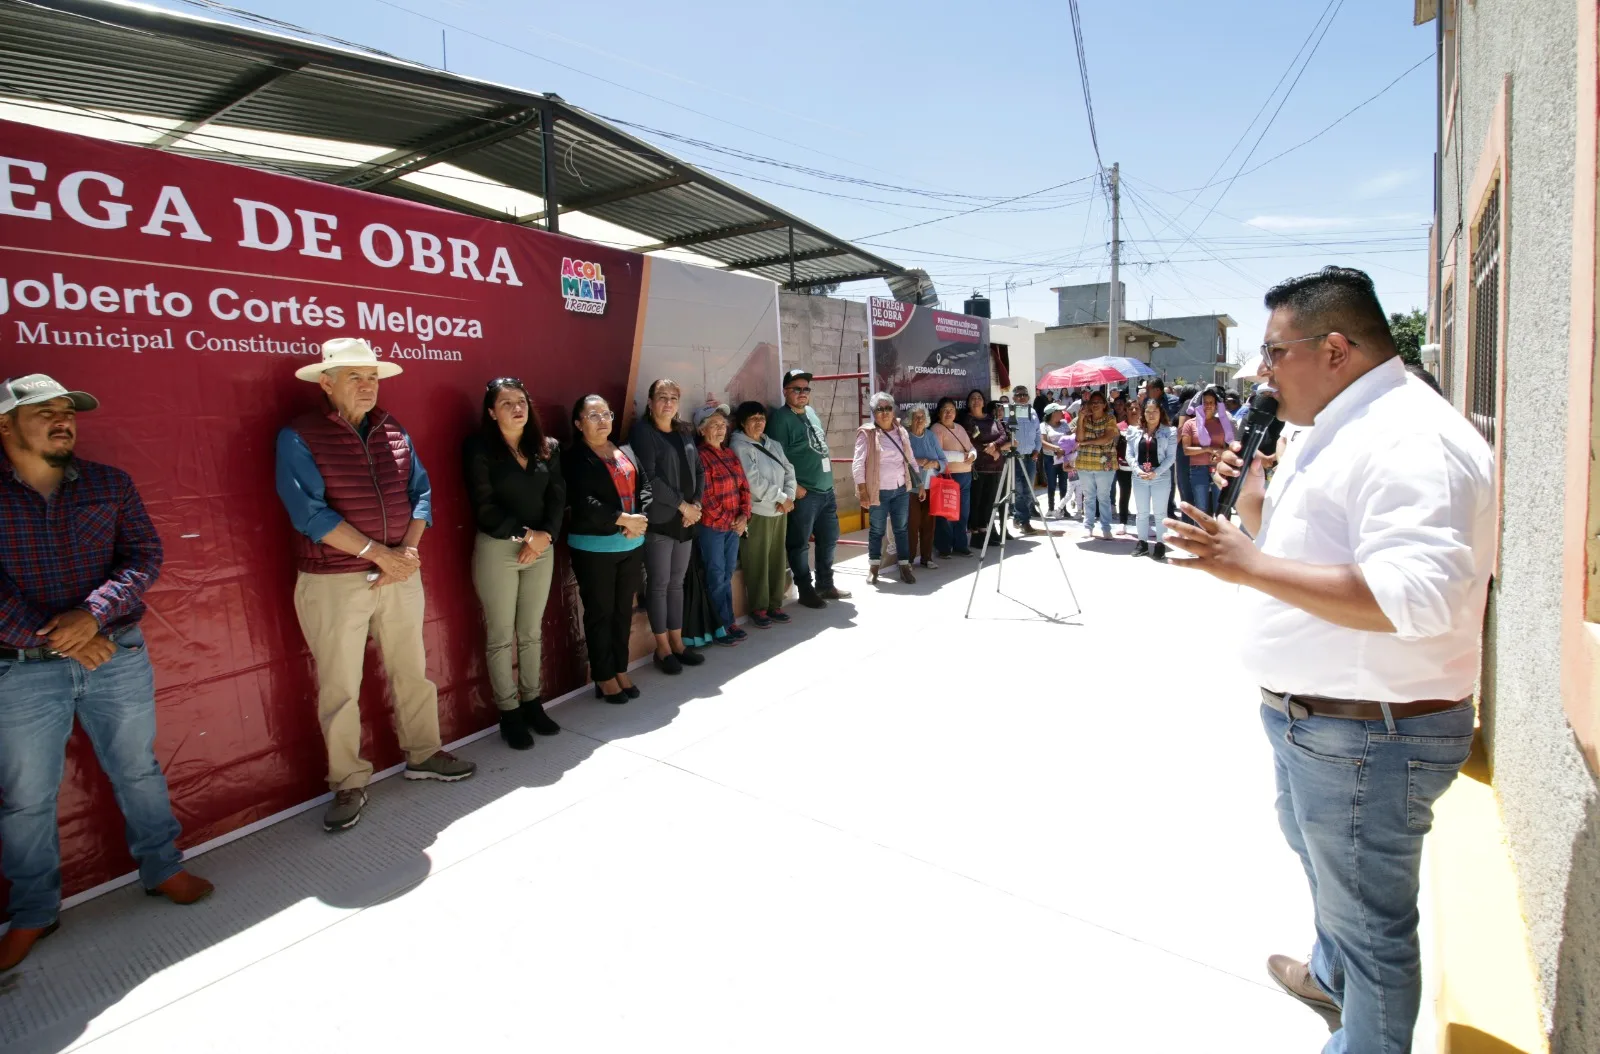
x,y
984,99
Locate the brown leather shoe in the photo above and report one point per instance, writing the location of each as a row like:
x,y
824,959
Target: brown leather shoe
x,y
834,593
905,574
17,943
182,888
1296,978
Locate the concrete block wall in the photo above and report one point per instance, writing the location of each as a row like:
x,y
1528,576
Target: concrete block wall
x,y
828,335
1549,799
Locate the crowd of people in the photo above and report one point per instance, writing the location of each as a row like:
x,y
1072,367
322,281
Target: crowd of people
x,y
1102,456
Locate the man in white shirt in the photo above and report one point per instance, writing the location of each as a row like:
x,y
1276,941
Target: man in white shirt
x,y
1373,547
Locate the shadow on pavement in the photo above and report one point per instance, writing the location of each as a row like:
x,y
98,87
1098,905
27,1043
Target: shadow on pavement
x,y
117,942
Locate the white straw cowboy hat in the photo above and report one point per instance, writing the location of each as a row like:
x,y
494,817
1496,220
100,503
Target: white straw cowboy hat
x,y
347,351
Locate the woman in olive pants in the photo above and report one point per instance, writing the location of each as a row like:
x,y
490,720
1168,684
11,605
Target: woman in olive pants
x,y
762,555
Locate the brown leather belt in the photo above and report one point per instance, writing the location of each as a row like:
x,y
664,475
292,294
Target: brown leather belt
x,y
1303,706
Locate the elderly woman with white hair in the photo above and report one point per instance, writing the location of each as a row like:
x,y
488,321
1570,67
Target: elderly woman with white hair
x,y
932,462
886,476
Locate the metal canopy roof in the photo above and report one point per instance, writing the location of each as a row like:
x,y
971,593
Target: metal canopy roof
x,y
191,72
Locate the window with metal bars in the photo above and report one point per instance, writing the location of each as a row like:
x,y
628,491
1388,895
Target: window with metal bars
x,y
1483,365
1447,341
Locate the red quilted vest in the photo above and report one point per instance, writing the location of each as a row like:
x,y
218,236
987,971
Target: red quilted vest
x,y
365,482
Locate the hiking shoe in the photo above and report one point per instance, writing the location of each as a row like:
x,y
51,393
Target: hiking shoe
x,y
761,620
345,810
444,766
18,942
778,615
183,888
1295,977
905,574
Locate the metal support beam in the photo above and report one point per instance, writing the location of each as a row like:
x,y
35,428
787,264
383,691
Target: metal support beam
x,y
547,165
854,276
451,141
613,196
717,235
787,258
246,87
791,254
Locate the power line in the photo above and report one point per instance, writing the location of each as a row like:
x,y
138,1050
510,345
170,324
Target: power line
x,y
1337,6
980,208
1083,77
1330,127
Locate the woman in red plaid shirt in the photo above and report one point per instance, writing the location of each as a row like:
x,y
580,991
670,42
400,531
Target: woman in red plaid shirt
x,y
724,513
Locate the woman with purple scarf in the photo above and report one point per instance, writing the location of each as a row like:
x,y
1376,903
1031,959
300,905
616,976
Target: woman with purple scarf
x,y
1205,437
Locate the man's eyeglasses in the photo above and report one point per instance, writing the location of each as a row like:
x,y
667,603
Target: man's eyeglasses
x,y
800,391
1270,353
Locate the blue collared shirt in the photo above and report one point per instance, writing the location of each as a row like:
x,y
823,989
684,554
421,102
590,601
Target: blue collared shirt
x,y
1027,425
301,488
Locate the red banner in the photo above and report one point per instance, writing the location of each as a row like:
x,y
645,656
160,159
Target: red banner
x,y
888,316
184,294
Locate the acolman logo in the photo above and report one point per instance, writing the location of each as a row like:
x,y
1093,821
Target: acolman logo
x,y
583,286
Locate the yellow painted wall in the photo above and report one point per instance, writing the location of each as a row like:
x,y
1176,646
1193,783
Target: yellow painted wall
x,y
1488,992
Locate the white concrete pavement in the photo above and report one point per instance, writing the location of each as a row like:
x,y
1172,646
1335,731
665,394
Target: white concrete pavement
x,y
882,827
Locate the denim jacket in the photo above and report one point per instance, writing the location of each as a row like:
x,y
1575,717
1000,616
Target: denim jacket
x,y
1166,448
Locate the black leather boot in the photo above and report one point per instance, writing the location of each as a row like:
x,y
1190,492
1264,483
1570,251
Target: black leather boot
x,y
533,713
514,730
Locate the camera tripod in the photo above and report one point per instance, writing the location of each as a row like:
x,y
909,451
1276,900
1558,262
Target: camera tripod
x,y
1005,501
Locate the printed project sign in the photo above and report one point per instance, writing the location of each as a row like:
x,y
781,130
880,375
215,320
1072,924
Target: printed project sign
x,y
184,293
920,355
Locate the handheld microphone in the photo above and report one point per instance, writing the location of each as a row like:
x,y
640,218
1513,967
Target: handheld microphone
x,y
1260,435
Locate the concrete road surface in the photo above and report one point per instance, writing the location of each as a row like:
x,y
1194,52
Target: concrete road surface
x,y
881,828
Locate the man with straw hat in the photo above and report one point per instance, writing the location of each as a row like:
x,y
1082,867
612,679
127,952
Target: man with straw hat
x,y
357,494
77,553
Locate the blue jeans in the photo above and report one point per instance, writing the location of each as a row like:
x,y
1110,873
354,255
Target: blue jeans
x,y
719,552
817,513
1354,801
1055,481
1023,507
894,506
950,536
1097,498
1202,494
1150,505
117,706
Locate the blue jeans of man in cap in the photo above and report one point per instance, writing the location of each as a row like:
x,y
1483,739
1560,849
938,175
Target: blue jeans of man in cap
x,y
117,708
1023,507
1355,799
818,513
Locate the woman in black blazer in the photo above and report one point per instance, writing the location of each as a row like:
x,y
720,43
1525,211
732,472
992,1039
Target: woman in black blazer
x,y
518,496
609,495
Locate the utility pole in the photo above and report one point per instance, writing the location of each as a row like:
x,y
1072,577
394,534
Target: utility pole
x,y
1114,313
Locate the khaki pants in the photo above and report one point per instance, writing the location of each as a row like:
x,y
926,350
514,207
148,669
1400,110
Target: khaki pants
x,y
337,612
513,597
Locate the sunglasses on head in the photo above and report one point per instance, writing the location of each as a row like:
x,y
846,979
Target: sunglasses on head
x,y
503,382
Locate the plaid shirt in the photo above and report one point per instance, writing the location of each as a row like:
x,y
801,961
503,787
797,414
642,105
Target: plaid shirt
x,y
726,495
90,546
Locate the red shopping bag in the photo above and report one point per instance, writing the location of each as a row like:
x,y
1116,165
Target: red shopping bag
x,y
944,498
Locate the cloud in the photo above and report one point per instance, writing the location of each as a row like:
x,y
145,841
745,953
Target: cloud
x,y
1387,183
1334,223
